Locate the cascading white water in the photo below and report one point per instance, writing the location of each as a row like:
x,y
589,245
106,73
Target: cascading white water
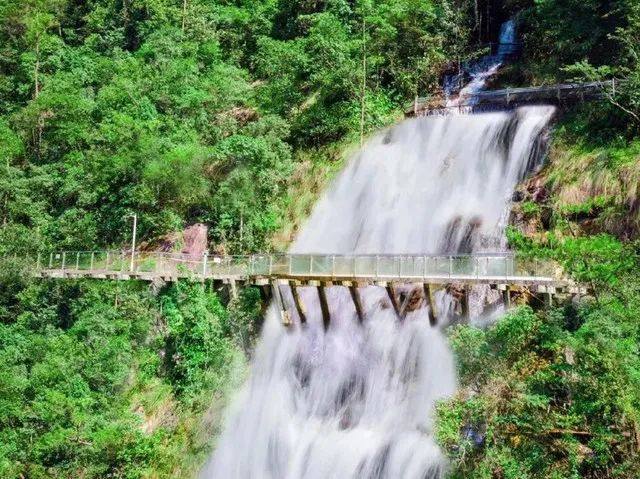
x,y
482,70
356,401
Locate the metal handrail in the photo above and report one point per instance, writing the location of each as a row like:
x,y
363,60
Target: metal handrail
x,y
559,92
466,266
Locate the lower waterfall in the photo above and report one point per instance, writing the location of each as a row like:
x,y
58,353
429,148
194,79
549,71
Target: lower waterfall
x,y
357,400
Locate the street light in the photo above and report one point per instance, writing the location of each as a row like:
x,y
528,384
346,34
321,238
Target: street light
x,y
133,241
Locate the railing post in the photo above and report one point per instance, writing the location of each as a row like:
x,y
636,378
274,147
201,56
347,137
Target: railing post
x,y
78,260
270,264
38,262
355,266
50,260
64,258
205,255
93,254
377,266
424,267
613,87
450,266
333,266
310,264
106,262
289,258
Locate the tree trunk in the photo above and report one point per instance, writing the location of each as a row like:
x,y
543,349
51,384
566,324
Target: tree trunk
x,y
184,14
364,80
36,70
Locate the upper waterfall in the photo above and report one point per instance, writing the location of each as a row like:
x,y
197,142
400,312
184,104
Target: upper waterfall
x,y
482,70
435,184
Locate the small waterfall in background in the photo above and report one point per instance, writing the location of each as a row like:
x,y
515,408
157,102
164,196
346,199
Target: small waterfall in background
x,y
480,71
356,401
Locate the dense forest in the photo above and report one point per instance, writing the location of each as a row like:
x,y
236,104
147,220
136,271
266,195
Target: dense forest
x,y
235,114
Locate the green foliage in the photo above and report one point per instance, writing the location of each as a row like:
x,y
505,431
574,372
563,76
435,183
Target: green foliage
x,y
195,341
600,42
601,260
547,394
104,380
245,318
193,112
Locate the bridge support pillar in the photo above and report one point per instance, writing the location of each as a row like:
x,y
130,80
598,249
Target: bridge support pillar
x,y
547,296
324,307
277,296
464,302
506,296
357,301
233,290
298,302
431,303
391,292
266,295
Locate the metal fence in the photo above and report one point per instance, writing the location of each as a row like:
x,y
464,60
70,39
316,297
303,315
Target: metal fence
x,y
477,266
480,101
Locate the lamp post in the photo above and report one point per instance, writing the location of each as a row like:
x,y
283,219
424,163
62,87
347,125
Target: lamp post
x,y
133,240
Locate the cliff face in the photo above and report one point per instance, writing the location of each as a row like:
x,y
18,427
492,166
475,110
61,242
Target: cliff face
x,y
585,188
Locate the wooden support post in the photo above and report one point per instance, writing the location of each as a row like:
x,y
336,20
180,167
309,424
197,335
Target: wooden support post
x,y
324,306
464,304
265,295
404,306
357,301
506,297
430,300
277,296
391,292
298,302
233,290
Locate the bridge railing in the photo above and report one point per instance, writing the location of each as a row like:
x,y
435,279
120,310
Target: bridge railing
x,y
318,266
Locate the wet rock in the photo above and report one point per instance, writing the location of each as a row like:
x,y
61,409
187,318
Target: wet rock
x,y
517,197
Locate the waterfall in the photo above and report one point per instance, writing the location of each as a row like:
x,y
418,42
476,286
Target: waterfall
x,y
480,71
357,400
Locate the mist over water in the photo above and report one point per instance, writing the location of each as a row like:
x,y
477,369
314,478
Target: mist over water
x,y
357,400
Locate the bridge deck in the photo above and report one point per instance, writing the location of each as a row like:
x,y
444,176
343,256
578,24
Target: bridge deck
x,y
493,269
500,271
